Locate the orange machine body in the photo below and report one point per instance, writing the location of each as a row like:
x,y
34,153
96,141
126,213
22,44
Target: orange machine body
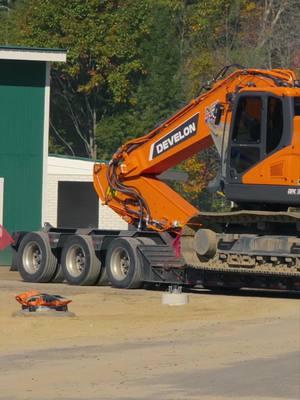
x,y
129,184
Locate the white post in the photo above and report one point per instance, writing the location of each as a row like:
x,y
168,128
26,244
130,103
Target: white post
x,y
46,141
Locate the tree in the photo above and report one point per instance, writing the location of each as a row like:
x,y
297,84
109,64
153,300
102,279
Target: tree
x,y
103,59
131,63
158,91
279,34
6,7
252,33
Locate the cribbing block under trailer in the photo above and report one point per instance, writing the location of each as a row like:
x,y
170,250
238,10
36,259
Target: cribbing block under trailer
x,y
125,259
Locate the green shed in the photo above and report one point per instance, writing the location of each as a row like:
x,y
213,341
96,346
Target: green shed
x,y
24,128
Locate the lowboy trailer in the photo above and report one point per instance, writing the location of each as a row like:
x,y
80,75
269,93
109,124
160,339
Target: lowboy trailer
x,y
128,259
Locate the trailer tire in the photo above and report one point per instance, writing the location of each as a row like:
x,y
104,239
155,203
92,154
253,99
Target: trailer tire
x,y
103,278
123,264
59,276
36,262
79,262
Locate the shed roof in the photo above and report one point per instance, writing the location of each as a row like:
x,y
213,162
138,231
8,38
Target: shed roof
x,y
32,54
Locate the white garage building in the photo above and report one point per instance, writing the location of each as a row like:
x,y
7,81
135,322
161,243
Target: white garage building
x,y
69,197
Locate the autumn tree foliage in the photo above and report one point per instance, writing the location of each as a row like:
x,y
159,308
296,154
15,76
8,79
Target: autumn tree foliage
x,y
131,64
104,60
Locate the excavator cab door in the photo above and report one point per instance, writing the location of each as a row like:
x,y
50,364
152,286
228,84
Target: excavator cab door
x,y
246,136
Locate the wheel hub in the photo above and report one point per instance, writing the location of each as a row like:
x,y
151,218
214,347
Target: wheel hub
x,y
120,263
32,257
75,260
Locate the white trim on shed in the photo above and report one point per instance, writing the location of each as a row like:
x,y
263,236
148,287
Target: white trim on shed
x,y
46,135
74,170
26,54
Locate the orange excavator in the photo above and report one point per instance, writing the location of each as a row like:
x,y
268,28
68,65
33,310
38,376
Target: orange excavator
x,y
252,117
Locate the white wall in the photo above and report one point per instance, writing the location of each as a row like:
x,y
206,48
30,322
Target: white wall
x,y
64,169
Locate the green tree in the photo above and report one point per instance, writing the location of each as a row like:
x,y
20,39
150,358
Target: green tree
x,y
132,63
158,91
6,8
104,59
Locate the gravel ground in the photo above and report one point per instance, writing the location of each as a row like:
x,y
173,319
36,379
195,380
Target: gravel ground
x,y
125,345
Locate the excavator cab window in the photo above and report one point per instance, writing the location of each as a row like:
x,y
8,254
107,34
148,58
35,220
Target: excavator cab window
x,y
243,158
247,128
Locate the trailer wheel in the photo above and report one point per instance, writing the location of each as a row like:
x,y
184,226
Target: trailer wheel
x,y
79,261
123,264
36,262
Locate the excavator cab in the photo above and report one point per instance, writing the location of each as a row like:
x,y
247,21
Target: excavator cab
x,y
261,129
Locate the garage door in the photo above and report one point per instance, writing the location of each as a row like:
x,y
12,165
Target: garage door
x,y
78,205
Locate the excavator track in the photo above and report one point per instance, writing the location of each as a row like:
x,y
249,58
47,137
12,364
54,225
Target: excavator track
x,y
245,217
256,243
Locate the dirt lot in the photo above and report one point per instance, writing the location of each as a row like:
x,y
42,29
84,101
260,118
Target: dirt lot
x,y
126,345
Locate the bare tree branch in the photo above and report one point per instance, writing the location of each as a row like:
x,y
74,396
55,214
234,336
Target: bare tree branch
x,y
62,139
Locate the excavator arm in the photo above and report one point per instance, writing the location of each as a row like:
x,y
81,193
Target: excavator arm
x,y
129,184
